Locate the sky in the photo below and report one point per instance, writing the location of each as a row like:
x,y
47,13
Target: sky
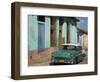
x,y
83,23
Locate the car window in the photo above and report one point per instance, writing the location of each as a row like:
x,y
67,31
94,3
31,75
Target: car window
x,y
68,47
78,47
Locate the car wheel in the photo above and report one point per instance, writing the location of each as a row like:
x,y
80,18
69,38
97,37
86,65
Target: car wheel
x,y
65,61
72,61
76,60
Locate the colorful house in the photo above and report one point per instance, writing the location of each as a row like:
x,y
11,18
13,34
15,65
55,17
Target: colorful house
x,y
48,31
83,38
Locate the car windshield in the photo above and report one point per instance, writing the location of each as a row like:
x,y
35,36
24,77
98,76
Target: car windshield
x,y
67,47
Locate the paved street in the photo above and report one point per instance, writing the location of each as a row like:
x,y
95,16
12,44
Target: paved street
x,y
43,58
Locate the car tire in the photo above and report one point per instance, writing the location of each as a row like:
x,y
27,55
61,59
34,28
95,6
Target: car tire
x,y
75,60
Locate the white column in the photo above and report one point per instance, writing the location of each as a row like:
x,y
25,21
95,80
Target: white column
x,y
57,31
47,32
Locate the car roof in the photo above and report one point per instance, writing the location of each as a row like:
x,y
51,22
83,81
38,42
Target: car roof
x,y
70,44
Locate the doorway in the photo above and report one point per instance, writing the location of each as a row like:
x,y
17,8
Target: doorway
x,y
41,36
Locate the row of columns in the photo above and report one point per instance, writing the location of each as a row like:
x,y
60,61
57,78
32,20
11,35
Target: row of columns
x,y
65,32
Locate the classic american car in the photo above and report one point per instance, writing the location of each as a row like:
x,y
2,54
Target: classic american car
x,y
68,54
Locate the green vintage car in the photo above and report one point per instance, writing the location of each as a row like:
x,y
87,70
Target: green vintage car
x,y
68,54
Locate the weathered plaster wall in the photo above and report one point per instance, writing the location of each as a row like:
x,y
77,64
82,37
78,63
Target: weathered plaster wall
x,y
32,32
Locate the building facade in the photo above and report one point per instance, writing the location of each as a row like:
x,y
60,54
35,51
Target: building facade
x,y
83,38
48,31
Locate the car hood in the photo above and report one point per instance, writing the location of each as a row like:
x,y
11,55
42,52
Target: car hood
x,y
66,53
